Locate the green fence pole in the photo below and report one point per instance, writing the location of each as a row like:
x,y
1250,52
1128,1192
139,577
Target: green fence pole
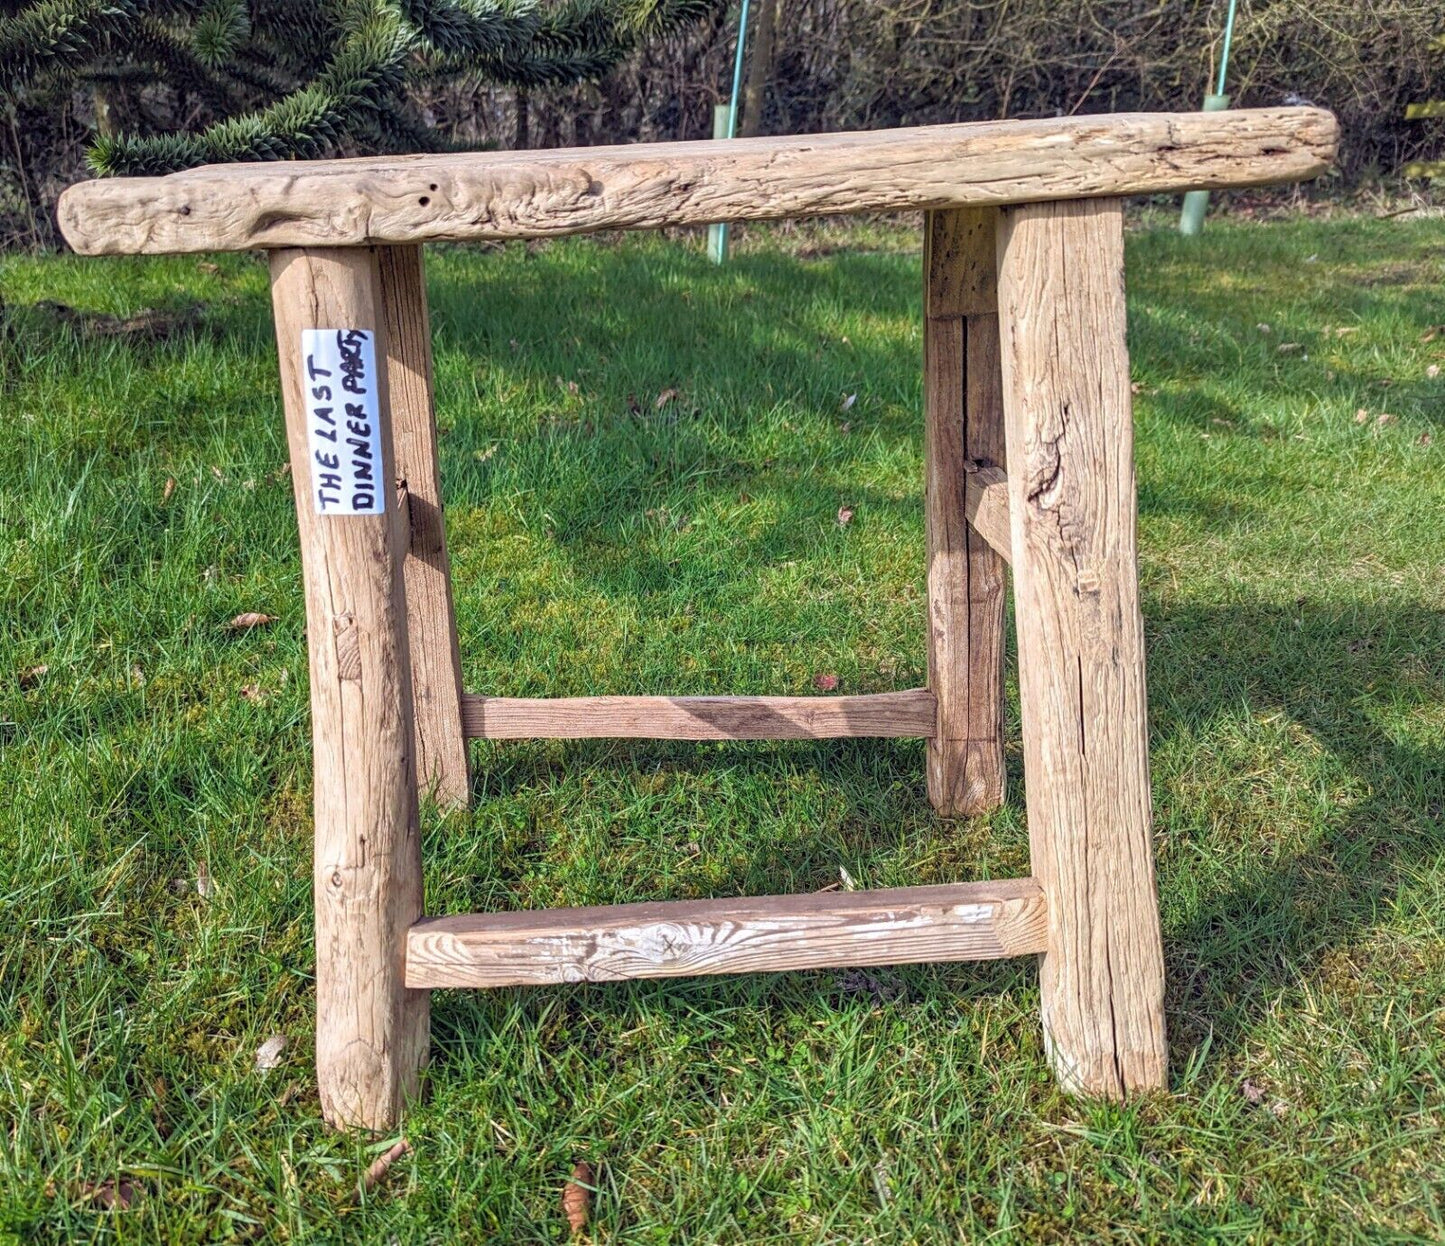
x,y
1196,202
717,235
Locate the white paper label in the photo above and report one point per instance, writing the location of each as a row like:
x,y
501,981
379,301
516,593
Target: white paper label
x,y
340,378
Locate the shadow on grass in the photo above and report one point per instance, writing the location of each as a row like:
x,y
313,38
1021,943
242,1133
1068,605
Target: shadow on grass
x,y
1267,914
1246,917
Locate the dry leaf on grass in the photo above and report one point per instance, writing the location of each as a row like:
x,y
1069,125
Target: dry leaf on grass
x,y
252,693
848,402
32,675
577,1197
111,1194
1263,328
168,489
1287,348
203,882
1361,416
825,683
249,619
1386,417
845,516
268,1054
1433,371
664,398
1252,1090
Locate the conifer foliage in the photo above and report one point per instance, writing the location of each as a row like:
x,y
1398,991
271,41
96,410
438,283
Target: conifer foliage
x,y
177,83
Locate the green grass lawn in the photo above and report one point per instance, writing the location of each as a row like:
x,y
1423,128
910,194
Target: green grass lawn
x,y
1293,580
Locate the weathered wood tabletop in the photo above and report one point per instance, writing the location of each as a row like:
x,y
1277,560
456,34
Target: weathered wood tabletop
x,y
536,194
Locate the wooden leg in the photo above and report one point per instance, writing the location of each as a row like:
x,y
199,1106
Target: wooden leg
x,y
436,664
963,425
371,1032
1081,648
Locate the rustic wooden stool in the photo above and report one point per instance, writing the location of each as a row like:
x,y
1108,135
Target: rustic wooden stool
x,y
1025,368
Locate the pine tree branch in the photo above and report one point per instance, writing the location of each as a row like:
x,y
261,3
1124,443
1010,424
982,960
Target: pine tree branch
x,y
172,59
580,41
58,35
221,29
366,71
522,44
472,28
396,130
225,52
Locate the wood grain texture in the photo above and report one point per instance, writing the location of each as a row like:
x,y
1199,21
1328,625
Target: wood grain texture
x,y
436,665
908,713
535,194
985,503
371,1032
959,272
1080,637
963,439
965,921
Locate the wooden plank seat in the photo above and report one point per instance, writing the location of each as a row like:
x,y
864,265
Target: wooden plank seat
x,y
478,196
1028,483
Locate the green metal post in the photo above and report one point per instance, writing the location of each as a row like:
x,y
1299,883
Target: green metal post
x,y
717,235
1196,202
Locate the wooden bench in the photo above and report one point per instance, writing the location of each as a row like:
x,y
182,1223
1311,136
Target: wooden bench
x,y
1029,462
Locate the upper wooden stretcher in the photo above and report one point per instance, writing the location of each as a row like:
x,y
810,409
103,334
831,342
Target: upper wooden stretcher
x,y
538,194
